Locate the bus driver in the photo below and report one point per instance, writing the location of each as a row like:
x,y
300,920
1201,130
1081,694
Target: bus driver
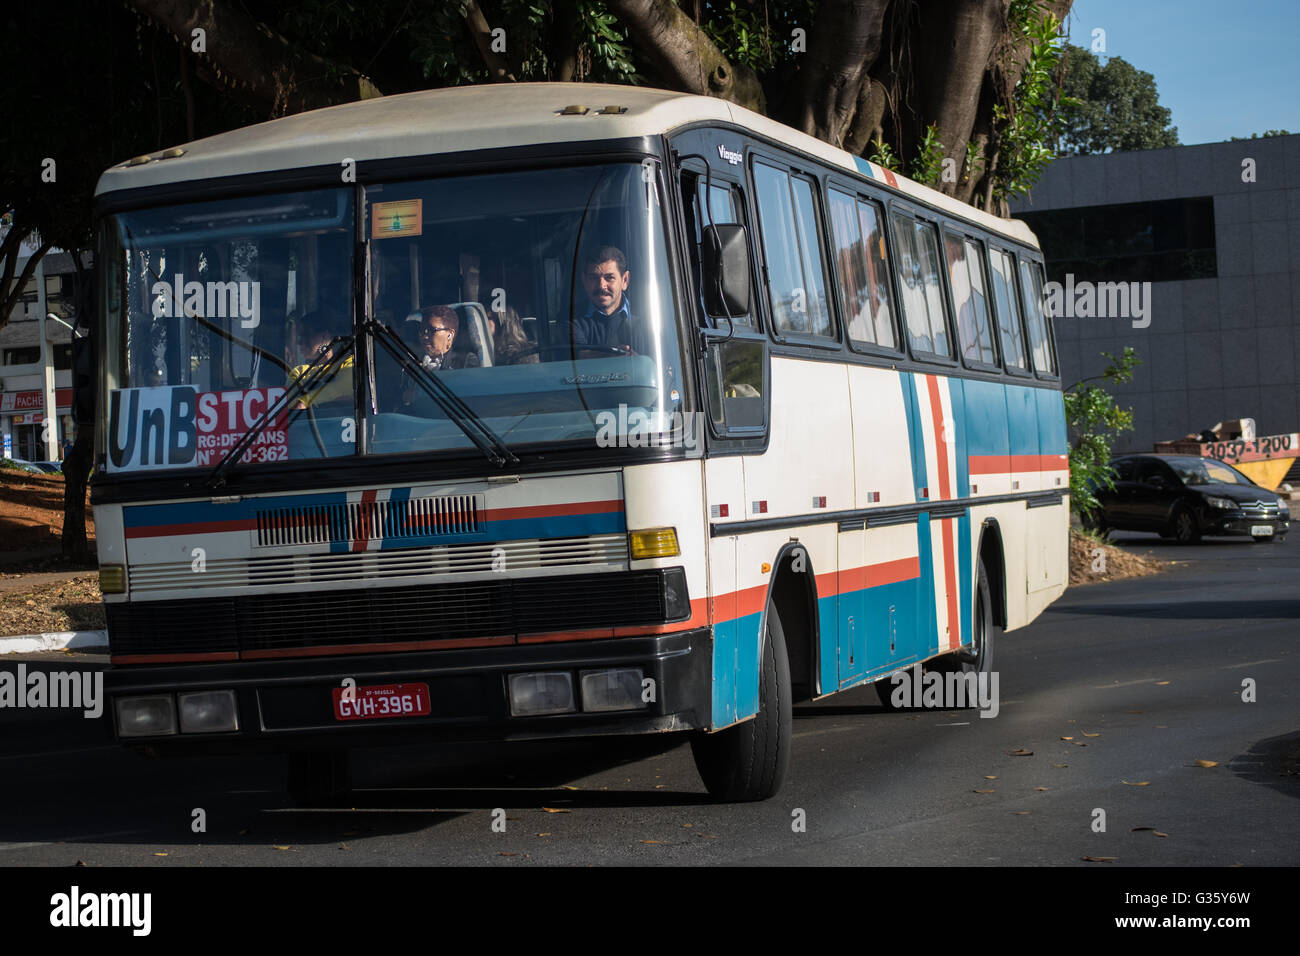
x,y
609,322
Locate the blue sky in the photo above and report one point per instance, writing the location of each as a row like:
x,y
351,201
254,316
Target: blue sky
x,y
1224,69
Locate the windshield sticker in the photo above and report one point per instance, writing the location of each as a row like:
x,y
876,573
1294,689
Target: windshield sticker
x,y
402,217
180,427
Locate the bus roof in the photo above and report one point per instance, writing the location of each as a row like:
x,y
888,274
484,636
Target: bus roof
x,y
497,115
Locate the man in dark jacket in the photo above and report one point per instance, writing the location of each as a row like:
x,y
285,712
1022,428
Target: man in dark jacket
x,y
609,321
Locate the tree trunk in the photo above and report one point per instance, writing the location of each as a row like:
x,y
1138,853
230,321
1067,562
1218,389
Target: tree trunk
x,y
954,44
842,46
684,56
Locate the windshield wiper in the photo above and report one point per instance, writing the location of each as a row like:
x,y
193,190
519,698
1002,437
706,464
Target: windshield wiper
x,y
465,418
311,375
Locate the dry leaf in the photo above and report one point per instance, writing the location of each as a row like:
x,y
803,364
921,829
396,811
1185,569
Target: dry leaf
x,y
543,834
279,847
1137,783
503,853
1021,752
650,841
160,854
1023,813
1067,738
556,810
567,787
1040,788
1161,683
1100,859
989,776
981,791
1152,829
1060,765
1086,734
1207,763
688,825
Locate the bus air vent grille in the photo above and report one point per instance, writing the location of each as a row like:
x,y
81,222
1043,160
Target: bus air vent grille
x,y
370,521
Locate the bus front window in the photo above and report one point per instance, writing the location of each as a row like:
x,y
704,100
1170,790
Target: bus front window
x,y
212,312
541,298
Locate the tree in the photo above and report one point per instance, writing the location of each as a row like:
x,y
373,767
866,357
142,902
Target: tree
x,y
1264,135
1111,106
1094,420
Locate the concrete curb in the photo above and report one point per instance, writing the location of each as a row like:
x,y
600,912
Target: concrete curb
x,y
55,641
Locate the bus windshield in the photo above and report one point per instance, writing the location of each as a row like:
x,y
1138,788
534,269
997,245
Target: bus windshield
x,y
540,299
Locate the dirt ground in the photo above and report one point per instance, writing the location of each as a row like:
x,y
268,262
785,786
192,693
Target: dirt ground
x,y
1089,565
31,521
35,606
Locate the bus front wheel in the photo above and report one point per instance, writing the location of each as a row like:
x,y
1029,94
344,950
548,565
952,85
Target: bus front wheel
x,y
747,762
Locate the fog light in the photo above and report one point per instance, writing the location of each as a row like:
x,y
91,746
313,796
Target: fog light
x,y
208,712
617,689
146,716
548,692
112,579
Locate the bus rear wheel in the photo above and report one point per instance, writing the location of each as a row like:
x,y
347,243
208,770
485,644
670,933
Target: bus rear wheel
x,y
978,657
747,762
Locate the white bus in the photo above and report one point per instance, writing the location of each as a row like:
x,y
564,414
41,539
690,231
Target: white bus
x,y
550,410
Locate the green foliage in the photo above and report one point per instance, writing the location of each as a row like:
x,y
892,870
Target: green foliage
x,y
929,157
1032,120
1264,135
754,32
883,155
1094,420
1111,107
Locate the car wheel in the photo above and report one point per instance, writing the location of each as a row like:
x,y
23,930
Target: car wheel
x,y
747,762
1182,527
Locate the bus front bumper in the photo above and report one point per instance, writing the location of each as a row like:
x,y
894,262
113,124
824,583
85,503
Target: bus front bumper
x,y
290,705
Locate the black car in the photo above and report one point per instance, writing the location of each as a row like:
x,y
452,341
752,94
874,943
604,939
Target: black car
x,y
1184,497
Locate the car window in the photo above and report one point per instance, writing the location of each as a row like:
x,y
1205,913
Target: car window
x,y
1124,469
1205,471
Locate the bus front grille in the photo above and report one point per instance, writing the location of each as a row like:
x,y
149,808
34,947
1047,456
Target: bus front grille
x,y
448,611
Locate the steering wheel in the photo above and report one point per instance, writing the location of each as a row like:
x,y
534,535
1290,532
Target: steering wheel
x,y
572,350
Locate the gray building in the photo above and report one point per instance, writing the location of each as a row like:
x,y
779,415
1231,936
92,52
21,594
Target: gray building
x,y
1215,230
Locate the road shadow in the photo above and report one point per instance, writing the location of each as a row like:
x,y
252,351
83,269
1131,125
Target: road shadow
x,y
1191,610
1273,762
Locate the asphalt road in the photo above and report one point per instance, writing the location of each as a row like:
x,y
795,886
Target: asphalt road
x,y
1145,677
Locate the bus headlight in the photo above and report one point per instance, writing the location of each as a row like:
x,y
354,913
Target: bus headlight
x,y
208,712
146,716
541,692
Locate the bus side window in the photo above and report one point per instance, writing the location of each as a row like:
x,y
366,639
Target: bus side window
x,y
857,231
1040,343
970,298
918,274
792,252
1008,310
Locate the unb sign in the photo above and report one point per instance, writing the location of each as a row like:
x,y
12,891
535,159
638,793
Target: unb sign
x,y
179,427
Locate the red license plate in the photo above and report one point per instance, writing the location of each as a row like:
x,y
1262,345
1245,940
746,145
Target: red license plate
x,y
381,701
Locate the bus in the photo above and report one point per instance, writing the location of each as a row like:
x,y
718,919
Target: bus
x,y
547,410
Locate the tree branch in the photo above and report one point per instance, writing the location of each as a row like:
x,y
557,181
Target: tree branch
x,y
498,66
685,56
258,63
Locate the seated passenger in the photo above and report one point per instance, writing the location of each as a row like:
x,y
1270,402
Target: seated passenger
x,y
509,339
313,333
438,327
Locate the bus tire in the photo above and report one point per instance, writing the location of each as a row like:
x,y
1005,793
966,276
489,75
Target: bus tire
x,y
747,762
318,777
978,658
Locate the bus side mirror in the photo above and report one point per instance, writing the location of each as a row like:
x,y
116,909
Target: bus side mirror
x,y
725,267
